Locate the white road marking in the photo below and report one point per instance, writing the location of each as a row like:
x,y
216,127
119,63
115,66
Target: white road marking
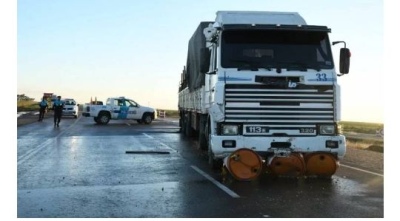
x,y
365,171
162,144
218,184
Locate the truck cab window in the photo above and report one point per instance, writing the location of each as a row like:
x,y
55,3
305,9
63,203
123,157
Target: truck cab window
x,y
275,48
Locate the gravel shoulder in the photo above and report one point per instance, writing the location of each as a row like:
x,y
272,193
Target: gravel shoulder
x,y
361,158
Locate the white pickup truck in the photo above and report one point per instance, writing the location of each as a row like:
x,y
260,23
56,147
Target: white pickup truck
x,y
119,108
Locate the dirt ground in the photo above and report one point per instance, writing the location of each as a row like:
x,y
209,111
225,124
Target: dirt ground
x,y
359,157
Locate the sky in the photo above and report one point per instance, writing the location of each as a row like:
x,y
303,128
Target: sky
x,y
86,49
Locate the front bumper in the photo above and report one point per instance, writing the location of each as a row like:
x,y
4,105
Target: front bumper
x,y
267,144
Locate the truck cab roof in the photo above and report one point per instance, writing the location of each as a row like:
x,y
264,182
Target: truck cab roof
x,y
259,18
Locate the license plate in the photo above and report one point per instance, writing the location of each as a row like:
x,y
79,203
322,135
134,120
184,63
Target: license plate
x,y
257,129
307,130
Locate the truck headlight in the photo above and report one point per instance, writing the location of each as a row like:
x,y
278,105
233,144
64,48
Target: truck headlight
x,y
327,129
230,129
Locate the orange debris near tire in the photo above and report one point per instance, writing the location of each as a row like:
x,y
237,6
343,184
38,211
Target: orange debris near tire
x,y
244,164
321,164
292,165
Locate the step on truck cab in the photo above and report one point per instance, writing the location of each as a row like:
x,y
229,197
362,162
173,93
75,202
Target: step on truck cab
x,y
265,81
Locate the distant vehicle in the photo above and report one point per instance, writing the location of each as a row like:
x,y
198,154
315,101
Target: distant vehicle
x,y
70,108
119,108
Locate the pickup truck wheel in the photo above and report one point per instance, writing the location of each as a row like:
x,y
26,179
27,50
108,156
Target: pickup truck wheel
x,y
103,118
147,119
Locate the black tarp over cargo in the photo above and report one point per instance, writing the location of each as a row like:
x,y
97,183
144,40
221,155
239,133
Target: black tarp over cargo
x,y
194,78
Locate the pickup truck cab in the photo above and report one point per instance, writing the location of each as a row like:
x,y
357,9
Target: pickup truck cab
x,y
119,108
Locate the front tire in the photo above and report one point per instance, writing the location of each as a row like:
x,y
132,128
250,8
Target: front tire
x,y
147,119
215,164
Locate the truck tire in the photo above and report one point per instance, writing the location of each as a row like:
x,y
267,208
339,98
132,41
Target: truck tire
x,y
103,118
215,164
203,141
188,128
203,133
181,128
147,118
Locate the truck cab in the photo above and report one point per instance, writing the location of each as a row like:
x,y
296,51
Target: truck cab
x,y
265,81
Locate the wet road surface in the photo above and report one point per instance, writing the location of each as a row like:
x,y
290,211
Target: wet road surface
x,y
129,170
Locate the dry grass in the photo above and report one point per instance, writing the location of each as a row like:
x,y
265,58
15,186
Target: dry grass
x,y
364,144
358,144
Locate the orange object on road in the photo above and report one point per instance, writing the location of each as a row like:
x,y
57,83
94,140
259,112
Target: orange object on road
x,y
244,164
292,165
321,164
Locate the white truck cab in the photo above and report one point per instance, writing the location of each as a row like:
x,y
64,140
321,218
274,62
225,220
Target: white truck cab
x,y
264,81
119,108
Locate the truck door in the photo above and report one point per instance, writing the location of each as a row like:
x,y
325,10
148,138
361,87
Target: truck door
x,y
119,109
209,84
134,110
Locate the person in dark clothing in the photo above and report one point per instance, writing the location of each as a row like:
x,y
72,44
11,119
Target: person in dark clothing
x,y
57,108
43,106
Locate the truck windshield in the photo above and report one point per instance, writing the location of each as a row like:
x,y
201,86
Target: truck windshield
x,y
289,49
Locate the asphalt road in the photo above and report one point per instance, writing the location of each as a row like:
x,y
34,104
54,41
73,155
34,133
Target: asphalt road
x,y
83,170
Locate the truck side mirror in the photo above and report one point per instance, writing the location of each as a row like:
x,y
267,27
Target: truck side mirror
x,y
205,55
344,65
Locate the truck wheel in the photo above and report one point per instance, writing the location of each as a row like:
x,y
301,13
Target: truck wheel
x,y
202,141
103,118
188,128
215,164
182,126
147,119
203,133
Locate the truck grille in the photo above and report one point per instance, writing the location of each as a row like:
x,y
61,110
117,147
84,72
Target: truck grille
x,y
262,104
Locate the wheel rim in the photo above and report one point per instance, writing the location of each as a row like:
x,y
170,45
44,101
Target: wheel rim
x,y
147,119
104,119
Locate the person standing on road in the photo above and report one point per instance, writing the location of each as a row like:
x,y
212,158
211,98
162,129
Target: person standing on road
x,y
43,107
57,108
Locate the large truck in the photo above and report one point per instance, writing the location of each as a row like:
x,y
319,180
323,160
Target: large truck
x,y
264,81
